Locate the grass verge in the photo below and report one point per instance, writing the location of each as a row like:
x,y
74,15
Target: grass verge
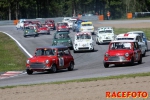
x,y
12,58
124,30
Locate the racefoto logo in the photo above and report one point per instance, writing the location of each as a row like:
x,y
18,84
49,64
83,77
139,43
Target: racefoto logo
x,y
128,94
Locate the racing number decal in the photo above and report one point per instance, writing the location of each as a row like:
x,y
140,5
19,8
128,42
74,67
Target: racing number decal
x,y
61,61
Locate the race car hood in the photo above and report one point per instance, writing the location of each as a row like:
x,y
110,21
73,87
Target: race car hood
x,y
120,52
87,27
105,34
82,41
39,59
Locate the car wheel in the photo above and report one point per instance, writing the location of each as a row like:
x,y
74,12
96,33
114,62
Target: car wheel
x,y
48,33
106,65
71,66
93,50
74,51
29,72
140,61
132,62
144,54
54,69
25,36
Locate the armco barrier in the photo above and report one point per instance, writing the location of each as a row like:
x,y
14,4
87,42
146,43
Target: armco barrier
x,y
57,19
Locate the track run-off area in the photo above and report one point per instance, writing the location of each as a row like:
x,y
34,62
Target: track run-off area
x,y
87,64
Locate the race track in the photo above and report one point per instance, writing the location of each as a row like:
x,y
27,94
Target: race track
x,y
87,64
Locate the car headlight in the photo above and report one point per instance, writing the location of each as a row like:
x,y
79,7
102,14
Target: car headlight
x,y
28,61
126,54
75,44
26,31
106,54
92,28
47,61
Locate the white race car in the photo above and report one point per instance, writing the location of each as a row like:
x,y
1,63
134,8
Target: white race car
x,y
66,19
136,37
104,35
83,41
20,24
70,22
87,27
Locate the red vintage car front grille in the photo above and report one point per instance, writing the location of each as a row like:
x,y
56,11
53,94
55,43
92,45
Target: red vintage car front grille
x,y
37,65
116,58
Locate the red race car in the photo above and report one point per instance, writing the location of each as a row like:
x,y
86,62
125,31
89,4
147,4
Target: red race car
x,y
42,29
123,52
50,24
51,59
62,26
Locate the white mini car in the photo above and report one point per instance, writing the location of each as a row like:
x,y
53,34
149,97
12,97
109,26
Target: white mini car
x,y
66,19
142,34
70,22
83,41
20,24
104,35
137,37
87,27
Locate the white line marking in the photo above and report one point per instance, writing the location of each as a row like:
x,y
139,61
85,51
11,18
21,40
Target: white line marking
x,y
18,44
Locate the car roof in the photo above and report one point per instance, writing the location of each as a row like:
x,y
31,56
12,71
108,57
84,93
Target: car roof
x,y
53,47
123,41
126,35
86,23
134,32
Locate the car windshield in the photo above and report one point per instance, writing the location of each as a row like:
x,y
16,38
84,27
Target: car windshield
x,y
105,31
86,24
120,45
62,36
83,36
124,38
45,52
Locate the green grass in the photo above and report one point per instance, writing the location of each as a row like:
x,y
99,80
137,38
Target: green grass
x,y
11,57
124,30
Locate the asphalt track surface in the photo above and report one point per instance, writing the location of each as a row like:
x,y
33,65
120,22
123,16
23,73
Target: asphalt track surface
x,y
87,64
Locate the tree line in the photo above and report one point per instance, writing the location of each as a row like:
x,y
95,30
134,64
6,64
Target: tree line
x,y
17,9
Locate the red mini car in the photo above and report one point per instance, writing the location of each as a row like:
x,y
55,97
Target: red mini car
x,y
51,58
43,29
123,52
62,26
50,24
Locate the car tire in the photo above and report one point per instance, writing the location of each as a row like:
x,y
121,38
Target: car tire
x,y
53,69
132,62
106,65
25,36
140,61
74,51
29,72
71,66
48,33
144,54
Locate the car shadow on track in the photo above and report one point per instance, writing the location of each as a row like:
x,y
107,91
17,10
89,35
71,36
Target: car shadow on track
x,y
124,65
86,51
59,71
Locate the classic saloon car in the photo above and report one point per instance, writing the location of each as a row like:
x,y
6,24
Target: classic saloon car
x,y
62,26
142,34
51,59
50,24
83,41
87,27
104,35
136,37
30,31
123,52
62,38
43,29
